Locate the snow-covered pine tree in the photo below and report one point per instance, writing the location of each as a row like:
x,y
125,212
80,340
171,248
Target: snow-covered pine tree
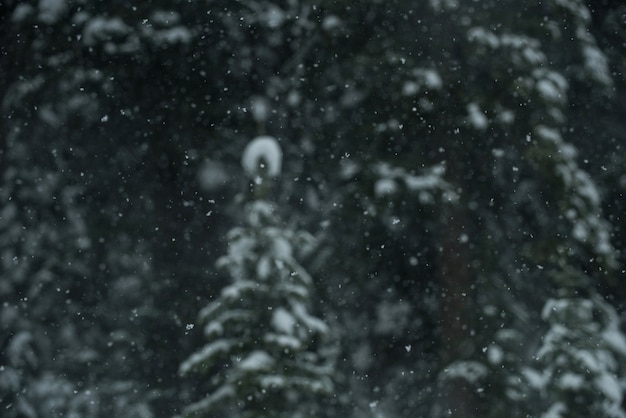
x,y
264,352
581,357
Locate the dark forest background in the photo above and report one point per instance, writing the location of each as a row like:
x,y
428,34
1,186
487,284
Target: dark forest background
x,y
452,182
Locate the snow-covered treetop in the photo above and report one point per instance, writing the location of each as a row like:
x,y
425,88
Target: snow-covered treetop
x,y
262,157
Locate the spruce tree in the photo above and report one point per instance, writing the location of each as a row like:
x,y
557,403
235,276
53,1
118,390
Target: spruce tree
x,y
263,356
580,359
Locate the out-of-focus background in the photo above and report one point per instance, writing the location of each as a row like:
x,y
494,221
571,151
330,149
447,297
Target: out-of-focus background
x,y
428,222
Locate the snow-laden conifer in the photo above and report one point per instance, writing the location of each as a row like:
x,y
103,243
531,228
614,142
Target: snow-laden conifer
x,y
581,357
264,348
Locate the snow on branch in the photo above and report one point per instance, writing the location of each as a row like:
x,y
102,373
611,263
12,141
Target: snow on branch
x,y
262,157
392,179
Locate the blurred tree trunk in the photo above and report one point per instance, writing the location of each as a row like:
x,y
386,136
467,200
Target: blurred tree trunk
x,y
455,280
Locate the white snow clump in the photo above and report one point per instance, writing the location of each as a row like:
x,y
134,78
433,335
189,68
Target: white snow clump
x,y
260,109
257,361
262,157
477,117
